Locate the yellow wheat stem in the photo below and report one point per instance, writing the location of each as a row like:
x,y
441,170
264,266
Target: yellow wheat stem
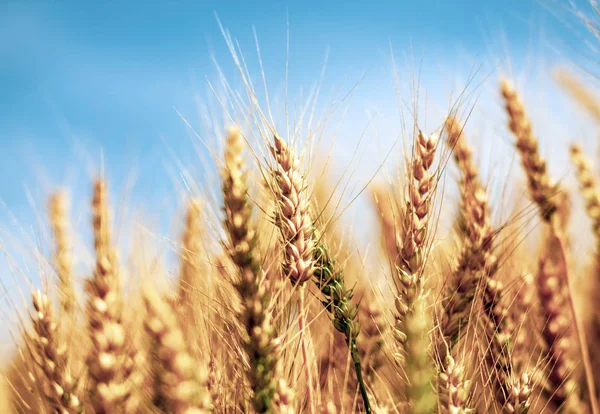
x,y
190,254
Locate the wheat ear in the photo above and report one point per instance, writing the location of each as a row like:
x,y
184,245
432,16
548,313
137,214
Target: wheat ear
x,y
589,188
283,399
108,385
579,92
476,259
541,187
409,278
259,340
293,215
51,357
63,257
296,227
191,248
561,388
512,394
303,261
183,382
541,190
591,195
453,388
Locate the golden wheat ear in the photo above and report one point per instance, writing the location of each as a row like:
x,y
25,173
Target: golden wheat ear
x,y
411,327
476,260
190,256
108,386
589,189
58,207
295,225
53,372
579,91
453,388
293,217
541,187
412,237
259,339
183,382
475,263
511,389
560,389
591,194
374,327
307,256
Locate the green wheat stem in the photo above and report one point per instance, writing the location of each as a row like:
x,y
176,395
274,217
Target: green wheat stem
x,y
338,302
358,368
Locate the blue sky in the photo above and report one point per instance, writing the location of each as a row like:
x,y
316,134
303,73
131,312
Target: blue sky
x,y
82,82
77,77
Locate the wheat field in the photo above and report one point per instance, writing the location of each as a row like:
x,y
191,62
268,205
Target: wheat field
x,y
271,307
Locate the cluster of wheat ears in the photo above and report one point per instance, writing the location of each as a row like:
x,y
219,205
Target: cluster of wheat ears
x,y
282,318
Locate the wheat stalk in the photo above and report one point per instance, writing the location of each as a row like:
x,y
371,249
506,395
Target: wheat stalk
x,y
419,371
338,302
